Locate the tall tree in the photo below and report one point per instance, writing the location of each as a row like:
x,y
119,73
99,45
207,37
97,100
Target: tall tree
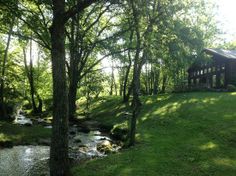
x,y
136,79
30,75
3,71
59,164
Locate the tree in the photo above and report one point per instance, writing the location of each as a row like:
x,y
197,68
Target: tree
x,y
59,164
30,75
3,71
136,79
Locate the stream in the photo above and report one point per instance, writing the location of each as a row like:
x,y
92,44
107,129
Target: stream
x,y
33,160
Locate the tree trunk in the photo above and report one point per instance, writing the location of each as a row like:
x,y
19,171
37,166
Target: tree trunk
x,y
163,88
112,80
72,98
29,73
3,113
126,96
73,83
156,79
136,79
59,163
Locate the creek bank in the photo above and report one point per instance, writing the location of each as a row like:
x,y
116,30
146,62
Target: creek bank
x,y
33,160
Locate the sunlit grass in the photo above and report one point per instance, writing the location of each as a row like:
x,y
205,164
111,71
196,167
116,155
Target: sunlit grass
x,y
178,134
208,146
22,134
225,162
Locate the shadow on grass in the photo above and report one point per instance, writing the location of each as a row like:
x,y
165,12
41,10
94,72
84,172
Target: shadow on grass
x,y
19,135
179,134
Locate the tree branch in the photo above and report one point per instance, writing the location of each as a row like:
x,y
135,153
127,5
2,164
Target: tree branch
x,y
80,6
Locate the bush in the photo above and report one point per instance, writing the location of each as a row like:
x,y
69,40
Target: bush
x,y
119,132
231,88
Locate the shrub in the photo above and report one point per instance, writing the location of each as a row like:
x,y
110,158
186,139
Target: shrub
x,y
231,88
120,132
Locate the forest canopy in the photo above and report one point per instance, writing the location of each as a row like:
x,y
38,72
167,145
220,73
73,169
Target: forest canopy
x,y
55,53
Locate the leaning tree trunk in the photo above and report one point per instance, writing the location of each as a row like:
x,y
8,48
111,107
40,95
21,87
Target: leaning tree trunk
x,y
2,103
136,79
59,163
126,96
29,74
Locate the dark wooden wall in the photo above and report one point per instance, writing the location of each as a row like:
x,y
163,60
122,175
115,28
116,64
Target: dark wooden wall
x,y
215,75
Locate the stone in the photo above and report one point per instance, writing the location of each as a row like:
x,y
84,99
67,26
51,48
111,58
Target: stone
x,y
119,133
44,142
77,139
105,147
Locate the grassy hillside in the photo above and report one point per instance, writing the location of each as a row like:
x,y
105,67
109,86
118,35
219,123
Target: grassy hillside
x,y
16,134
178,135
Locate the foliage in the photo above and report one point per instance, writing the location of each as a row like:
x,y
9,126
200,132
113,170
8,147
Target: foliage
x,y
231,88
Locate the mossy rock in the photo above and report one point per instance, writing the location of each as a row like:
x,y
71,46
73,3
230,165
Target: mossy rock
x,y
105,147
119,133
105,127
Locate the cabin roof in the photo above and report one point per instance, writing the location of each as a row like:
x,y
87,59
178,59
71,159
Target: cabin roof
x,y
230,54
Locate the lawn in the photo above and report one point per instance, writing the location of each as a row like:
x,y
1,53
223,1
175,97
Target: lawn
x,y
178,135
18,135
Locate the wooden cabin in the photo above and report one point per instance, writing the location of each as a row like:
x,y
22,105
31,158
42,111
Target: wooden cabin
x,y
218,74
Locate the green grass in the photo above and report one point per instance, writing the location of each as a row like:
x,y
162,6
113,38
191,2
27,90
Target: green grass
x,y
22,134
178,135
108,110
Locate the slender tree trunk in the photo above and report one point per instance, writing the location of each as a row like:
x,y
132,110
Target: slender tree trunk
x,y
29,73
2,103
121,83
156,79
115,86
73,83
164,80
136,78
146,80
73,71
59,163
33,93
126,96
112,80
151,80
72,98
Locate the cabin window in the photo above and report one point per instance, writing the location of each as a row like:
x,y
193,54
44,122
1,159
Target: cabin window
x,y
222,80
209,70
205,70
197,81
201,72
214,81
213,69
191,82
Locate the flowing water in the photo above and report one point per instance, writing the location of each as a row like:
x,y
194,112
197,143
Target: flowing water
x,y
24,161
33,160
